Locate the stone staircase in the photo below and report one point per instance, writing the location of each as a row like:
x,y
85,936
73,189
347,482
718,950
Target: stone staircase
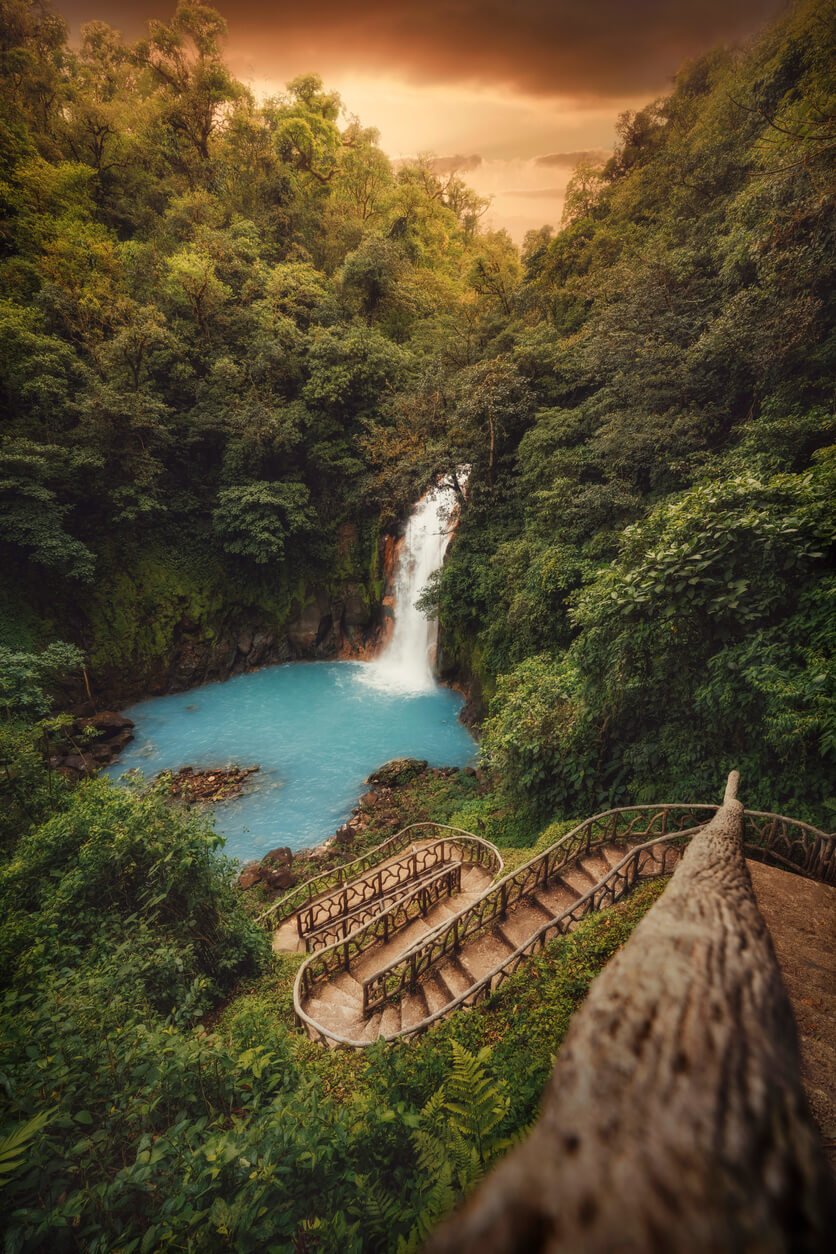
x,y
428,950
428,875
337,1005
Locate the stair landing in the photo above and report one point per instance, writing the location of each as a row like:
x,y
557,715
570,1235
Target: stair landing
x,y
801,917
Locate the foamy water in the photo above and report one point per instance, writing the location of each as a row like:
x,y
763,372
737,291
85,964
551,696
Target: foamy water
x,y
407,662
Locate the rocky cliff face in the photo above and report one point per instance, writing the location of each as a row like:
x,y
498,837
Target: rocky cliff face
x,y
185,637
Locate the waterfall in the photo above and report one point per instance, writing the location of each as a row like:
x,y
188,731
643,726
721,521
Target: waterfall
x,y
407,661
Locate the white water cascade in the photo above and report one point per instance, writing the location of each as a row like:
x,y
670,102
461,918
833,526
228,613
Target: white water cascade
x,y
406,663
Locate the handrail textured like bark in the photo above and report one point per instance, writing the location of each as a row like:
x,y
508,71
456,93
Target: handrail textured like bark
x,y
318,885
675,1119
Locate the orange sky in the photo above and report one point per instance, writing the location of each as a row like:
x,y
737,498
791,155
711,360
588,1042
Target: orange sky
x,y
507,82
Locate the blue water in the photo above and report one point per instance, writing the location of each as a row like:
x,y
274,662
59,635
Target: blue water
x,y
315,729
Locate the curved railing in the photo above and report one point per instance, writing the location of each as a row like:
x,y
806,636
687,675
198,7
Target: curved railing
x,y
790,843
344,925
331,908
318,885
320,966
621,825
653,859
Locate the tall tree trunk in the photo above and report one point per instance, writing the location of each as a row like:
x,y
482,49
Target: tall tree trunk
x,y
675,1119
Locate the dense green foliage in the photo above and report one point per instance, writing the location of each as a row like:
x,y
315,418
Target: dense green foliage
x,y
230,328
208,304
642,584
232,334
125,1119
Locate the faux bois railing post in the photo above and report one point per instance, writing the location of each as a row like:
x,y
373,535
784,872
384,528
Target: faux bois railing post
x,y
675,1118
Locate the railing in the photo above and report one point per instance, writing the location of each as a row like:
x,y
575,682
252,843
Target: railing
x,y
613,825
652,860
323,965
305,893
789,843
339,905
344,925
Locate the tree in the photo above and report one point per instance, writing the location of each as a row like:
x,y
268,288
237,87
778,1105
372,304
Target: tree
x,y
255,520
195,87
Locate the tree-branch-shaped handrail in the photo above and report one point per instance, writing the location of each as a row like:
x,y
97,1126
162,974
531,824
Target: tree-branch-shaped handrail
x,y
675,1117
790,843
342,926
622,824
338,957
389,876
305,892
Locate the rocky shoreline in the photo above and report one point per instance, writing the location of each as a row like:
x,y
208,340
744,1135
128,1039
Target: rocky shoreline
x,y
89,743
377,809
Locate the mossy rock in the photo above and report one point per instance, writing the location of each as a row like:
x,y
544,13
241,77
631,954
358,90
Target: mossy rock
x,y
398,772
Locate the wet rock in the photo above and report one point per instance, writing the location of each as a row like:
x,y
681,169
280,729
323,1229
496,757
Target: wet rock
x,y
303,628
214,785
107,723
281,877
261,648
103,752
79,763
345,835
356,608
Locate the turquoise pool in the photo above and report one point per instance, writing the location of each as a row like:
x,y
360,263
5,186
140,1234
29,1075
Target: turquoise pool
x,y
316,730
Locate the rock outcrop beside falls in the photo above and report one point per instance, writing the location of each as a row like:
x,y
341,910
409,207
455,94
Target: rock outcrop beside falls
x,y
380,812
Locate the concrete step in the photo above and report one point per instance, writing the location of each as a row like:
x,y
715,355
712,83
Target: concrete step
x,y
543,911
390,1021
332,992
371,1030
348,985
556,897
613,852
333,1014
456,975
474,879
286,939
577,878
523,920
596,865
414,1007
373,960
436,991
484,953
449,906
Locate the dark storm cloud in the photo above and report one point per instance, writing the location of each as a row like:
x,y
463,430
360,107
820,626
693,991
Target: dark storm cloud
x,y
601,48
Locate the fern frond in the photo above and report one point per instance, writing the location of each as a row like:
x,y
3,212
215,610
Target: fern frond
x,y
14,1144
